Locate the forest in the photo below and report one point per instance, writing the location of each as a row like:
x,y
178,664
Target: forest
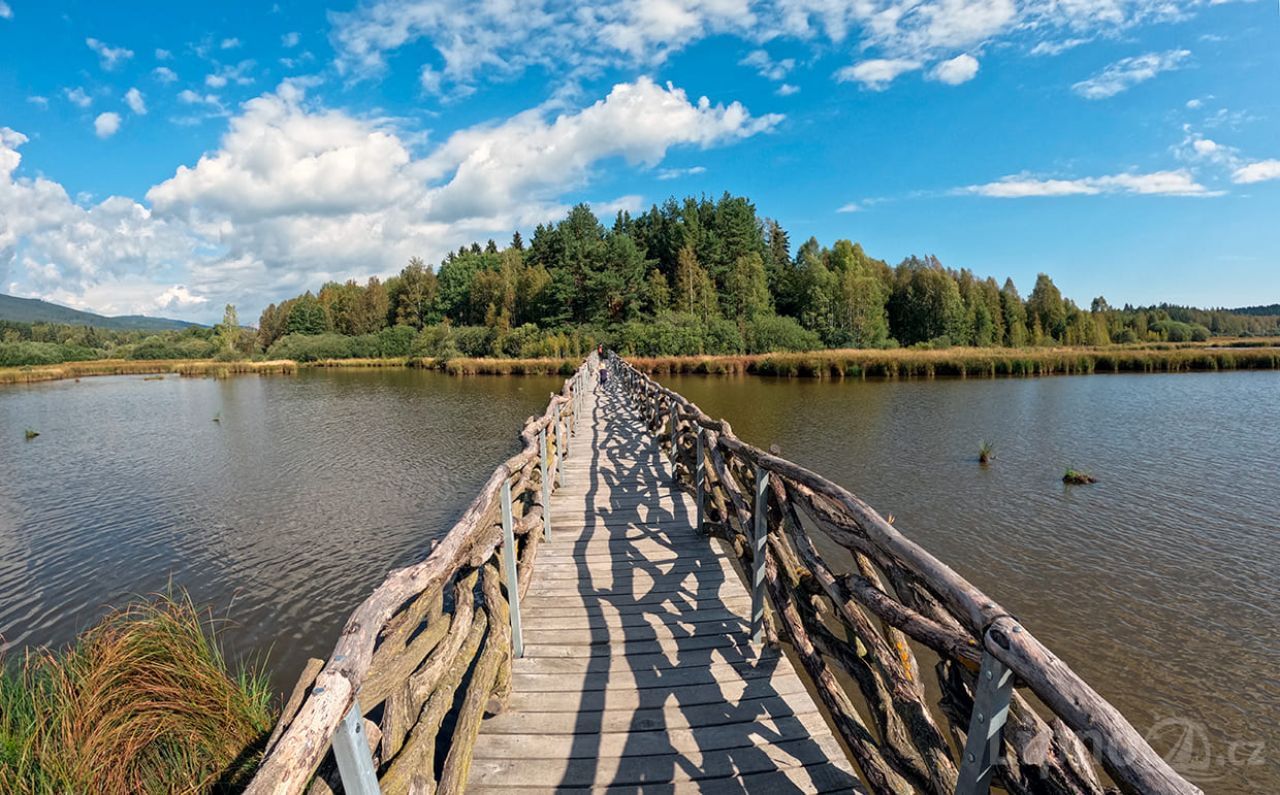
x,y
692,276
701,276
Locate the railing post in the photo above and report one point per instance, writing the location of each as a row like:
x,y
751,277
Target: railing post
x,y
675,422
697,476
759,541
986,727
509,560
351,750
546,485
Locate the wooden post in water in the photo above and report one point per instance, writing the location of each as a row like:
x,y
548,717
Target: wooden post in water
x,y
509,562
758,546
351,750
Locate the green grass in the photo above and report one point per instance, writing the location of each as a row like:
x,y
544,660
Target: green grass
x,y
1075,477
143,702
986,452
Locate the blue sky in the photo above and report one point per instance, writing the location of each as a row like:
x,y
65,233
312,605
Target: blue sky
x,y
167,160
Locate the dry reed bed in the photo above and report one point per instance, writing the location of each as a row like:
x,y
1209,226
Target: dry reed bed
x,y
185,367
967,362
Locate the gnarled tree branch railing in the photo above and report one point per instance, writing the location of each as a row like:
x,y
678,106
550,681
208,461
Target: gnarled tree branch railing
x,y
433,642
855,618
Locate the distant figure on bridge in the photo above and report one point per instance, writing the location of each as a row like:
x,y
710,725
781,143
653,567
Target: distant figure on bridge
x,y
604,373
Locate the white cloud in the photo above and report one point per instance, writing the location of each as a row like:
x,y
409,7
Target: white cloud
x,y
109,57
237,74
1194,104
1129,72
1051,48
5,11
134,99
106,124
77,97
766,66
290,39
677,173
1261,171
877,73
786,90
960,69
1156,183
296,194
851,207
40,102
163,55
230,44
164,74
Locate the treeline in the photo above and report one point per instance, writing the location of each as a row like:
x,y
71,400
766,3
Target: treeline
x,y
701,276
24,344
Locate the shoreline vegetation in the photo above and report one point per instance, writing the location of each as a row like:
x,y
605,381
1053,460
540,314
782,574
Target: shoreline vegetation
x,y
143,701
1242,354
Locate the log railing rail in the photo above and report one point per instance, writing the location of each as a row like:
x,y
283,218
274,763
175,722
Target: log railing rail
x,y
856,626
433,635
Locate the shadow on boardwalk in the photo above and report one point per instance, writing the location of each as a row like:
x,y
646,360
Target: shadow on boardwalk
x,y
638,672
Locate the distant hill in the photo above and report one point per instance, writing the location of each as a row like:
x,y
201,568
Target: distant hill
x,y
33,310
1270,310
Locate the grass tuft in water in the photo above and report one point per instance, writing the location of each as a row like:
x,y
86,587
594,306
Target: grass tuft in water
x,y
31,433
142,702
1075,477
986,452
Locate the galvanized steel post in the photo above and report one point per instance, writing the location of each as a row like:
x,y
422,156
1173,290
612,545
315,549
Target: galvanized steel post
x,y
758,544
546,485
509,561
351,751
986,727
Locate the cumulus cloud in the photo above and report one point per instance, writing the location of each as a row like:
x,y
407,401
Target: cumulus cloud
x,y
786,90
5,11
953,72
110,57
877,73
77,96
134,99
766,66
106,125
164,74
1129,72
1260,171
851,207
1156,183
296,194
290,39
677,173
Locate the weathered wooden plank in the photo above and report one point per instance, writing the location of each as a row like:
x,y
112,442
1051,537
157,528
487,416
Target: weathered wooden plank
x,y
713,738
716,615
731,691
623,675
655,769
819,778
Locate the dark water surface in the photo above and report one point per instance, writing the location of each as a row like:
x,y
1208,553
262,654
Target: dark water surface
x,y
282,516
1160,584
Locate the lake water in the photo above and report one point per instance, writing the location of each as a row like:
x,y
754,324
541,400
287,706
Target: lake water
x,y
282,516
1160,584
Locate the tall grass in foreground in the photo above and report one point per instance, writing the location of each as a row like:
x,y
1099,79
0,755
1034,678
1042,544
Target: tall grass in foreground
x,y
142,702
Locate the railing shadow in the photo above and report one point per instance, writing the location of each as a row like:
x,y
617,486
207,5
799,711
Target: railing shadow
x,y
702,702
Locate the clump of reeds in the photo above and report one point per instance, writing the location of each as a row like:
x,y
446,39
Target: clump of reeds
x,y
1074,477
31,433
142,702
986,452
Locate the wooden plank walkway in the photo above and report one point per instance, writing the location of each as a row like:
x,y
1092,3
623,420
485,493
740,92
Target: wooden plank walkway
x,y
638,673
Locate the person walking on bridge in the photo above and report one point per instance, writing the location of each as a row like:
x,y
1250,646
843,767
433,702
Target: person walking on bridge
x,y
603,372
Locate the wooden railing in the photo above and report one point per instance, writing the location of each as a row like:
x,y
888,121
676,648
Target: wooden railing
x,y
850,612
435,640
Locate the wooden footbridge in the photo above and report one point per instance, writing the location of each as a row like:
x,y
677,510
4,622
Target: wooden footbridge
x,y
639,601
